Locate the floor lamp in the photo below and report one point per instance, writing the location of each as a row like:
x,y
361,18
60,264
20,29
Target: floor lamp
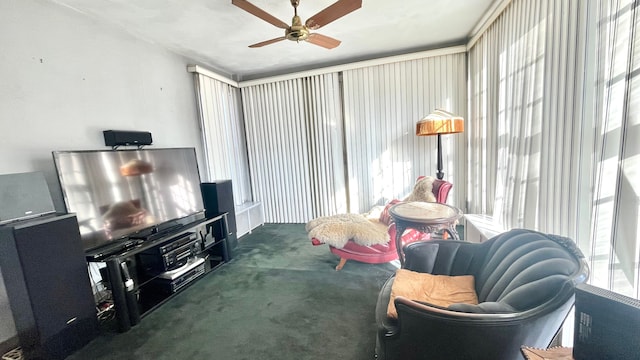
x,y
437,123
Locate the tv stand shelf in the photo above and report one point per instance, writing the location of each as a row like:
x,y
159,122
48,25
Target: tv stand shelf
x,y
144,276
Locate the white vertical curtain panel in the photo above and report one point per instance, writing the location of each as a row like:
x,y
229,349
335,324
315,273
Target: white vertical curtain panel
x,y
526,73
554,136
614,244
223,135
295,140
320,146
381,107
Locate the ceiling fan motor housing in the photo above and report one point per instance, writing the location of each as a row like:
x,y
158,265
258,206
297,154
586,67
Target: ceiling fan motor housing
x,y
297,31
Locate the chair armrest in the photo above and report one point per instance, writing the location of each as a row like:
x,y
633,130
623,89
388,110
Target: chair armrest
x,y
386,325
419,308
439,333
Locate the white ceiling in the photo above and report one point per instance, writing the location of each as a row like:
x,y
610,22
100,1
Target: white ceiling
x,y
216,33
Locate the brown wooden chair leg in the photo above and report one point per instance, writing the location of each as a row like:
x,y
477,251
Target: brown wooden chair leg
x,y
341,264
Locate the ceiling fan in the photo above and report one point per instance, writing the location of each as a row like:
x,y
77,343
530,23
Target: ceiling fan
x,y
301,32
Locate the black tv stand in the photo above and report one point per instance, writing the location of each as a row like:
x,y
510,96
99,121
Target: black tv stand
x,y
144,276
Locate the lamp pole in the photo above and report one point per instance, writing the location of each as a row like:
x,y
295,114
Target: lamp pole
x,y
440,173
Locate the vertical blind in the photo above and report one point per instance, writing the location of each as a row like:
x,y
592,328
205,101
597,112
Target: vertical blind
x,y
223,135
345,142
381,107
553,103
525,76
614,245
295,143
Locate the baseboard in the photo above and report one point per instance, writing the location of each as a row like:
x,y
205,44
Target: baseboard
x,y
9,345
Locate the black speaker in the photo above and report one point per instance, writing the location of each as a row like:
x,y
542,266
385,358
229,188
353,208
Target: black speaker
x,y
218,198
48,286
118,138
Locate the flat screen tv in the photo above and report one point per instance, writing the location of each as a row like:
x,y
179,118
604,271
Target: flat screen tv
x,y
122,194
607,325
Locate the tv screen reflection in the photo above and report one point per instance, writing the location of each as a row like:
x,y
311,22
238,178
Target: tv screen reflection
x,y
116,194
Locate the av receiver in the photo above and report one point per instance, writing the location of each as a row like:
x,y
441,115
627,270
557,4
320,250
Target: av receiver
x,y
174,254
171,281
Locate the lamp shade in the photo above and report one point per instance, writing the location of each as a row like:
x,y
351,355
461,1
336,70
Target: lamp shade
x,y
440,122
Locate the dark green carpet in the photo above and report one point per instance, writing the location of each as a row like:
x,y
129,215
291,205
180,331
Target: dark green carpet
x,y
279,298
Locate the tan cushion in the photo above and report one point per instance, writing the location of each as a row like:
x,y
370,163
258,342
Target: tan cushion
x,y
554,353
438,290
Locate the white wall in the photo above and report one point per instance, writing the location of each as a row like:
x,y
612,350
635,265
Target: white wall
x,y
65,78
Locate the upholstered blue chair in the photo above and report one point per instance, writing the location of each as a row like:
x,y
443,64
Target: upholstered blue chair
x,y
524,281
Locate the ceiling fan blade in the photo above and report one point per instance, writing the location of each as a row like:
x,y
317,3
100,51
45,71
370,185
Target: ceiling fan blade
x,y
322,40
267,42
333,12
252,9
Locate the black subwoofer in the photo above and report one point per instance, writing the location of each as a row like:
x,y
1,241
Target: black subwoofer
x,y
47,283
218,199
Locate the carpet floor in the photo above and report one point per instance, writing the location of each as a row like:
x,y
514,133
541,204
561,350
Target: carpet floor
x,y
278,298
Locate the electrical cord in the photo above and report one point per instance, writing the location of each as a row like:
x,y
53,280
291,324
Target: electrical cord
x,y
102,296
106,311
